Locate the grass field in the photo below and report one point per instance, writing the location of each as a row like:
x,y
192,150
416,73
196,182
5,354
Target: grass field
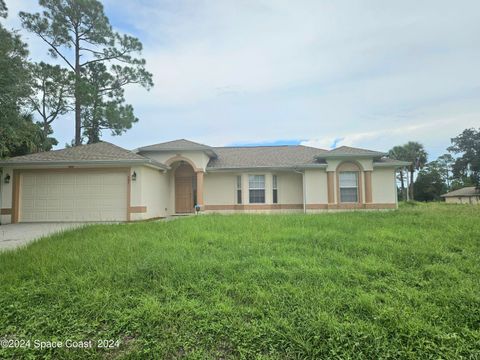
x,y
402,285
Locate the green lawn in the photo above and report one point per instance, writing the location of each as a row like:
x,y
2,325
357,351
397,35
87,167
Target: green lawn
x,y
398,284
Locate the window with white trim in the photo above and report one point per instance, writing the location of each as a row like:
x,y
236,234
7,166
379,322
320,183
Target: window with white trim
x,y
256,188
348,186
239,189
275,189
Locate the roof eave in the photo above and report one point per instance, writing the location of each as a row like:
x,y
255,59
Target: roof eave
x,y
54,163
210,153
459,195
355,156
395,164
270,168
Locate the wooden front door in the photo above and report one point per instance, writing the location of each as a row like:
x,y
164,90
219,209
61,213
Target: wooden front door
x,y
184,189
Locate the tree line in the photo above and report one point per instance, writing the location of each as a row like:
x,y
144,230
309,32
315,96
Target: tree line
x,y
457,168
90,66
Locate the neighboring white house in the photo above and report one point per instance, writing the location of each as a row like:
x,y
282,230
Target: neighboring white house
x,y
103,182
466,195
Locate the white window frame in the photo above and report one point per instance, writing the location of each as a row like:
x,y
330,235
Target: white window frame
x,y
274,188
238,188
255,188
356,187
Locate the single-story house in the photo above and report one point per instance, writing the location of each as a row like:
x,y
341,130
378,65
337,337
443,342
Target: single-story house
x,y
104,182
466,195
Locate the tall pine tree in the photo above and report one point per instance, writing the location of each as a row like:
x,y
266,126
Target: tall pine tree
x,y
79,33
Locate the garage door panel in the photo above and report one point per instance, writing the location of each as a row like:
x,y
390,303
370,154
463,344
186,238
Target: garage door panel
x,y
39,215
67,190
28,204
111,179
41,189
55,179
28,180
53,191
41,180
83,196
28,191
54,204
28,216
68,179
96,189
67,204
40,204
111,190
81,179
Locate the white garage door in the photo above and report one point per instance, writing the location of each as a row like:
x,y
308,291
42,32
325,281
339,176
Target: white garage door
x,y
73,196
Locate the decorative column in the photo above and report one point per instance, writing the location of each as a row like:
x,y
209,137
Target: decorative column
x,y
368,186
331,187
200,188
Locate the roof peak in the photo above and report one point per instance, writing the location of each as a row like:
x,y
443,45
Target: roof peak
x,y
352,147
178,145
344,150
176,141
99,152
262,146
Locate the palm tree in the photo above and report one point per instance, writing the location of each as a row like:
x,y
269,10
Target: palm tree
x,y
417,156
398,153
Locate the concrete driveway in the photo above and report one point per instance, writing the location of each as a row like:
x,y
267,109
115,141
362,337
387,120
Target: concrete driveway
x,y
15,235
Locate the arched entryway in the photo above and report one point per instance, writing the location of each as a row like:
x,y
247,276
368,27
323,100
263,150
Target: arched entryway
x,y
185,188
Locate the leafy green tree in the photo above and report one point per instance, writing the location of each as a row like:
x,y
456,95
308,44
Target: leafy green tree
x,y
102,112
429,184
79,33
52,87
18,134
3,9
458,183
23,137
445,163
467,167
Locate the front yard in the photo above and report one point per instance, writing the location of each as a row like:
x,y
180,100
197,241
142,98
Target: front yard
x,y
400,284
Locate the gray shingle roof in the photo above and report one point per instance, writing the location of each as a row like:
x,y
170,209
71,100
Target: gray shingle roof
x,y
466,191
98,152
288,156
181,144
264,156
348,151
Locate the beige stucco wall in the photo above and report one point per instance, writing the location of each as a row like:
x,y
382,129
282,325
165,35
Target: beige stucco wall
x,y
220,187
156,190
151,189
383,186
316,186
199,158
290,188
156,193
475,200
366,164
6,194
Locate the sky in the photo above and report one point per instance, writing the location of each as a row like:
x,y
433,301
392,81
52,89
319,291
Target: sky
x,y
370,74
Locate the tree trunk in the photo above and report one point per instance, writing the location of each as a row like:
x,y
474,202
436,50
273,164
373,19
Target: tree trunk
x,y
78,119
402,184
411,184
